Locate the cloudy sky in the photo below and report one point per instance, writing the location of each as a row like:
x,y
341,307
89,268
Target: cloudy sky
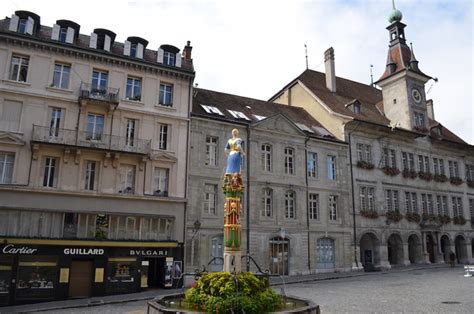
x,y
253,48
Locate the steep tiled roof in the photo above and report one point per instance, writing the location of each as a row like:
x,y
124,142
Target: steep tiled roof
x,y
253,109
370,98
400,55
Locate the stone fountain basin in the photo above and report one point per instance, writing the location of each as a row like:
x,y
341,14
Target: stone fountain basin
x,y
171,304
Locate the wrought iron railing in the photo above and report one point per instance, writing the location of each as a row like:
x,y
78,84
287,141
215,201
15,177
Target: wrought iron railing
x,y
90,140
108,94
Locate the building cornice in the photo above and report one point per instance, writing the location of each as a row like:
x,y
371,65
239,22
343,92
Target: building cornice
x,y
93,55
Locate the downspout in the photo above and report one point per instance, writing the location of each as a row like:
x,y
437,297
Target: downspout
x,y
188,131
353,197
307,200
248,198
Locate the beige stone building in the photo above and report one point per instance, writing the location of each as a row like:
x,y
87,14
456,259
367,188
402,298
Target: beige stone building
x,y
93,160
296,217
412,178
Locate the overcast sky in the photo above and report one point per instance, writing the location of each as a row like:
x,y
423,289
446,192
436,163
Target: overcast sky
x,y
253,48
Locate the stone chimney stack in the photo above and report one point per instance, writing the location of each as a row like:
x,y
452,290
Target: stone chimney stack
x,y
187,51
429,109
330,69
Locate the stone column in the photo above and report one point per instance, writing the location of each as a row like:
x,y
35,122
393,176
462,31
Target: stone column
x,y
424,254
469,257
384,263
439,255
406,254
233,188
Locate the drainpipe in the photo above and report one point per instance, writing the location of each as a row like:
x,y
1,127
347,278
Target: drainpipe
x,y
188,131
307,200
353,197
248,198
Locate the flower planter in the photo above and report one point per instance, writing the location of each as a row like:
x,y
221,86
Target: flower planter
x,y
390,171
365,165
440,178
411,174
372,214
459,220
455,180
393,215
425,176
413,217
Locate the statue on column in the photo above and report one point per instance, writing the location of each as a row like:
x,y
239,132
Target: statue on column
x,y
233,188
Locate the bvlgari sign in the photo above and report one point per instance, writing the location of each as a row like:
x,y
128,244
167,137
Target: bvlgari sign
x,y
149,252
12,249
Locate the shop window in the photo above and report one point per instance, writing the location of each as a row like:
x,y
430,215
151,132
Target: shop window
x,y
37,277
121,273
5,279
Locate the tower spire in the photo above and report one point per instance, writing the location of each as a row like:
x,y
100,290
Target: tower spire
x,y
413,62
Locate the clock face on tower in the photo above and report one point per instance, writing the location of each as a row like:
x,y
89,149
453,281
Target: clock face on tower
x,y
415,93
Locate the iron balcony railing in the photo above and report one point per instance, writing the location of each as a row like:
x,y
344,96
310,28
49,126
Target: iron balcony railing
x,y
107,94
50,135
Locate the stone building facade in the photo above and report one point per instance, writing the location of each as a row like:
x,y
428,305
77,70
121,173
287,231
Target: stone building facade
x,y
413,179
93,154
296,216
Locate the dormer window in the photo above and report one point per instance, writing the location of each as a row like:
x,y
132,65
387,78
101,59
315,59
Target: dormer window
x,y
169,58
102,39
169,55
22,26
356,107
24,22
65,31
62,34
135,47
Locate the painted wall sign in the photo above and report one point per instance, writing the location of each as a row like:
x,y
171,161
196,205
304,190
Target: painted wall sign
x,y
77,251
11,249
148,252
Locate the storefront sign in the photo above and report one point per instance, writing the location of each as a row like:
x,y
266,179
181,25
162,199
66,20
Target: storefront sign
x,y
148,252
69,251
11,249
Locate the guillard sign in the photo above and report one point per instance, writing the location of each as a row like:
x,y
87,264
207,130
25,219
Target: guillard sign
x,y
11,249
74,251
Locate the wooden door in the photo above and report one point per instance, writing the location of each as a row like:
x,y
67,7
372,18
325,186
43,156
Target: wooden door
x,y
80,279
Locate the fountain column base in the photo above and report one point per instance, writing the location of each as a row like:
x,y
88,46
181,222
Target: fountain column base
x,y
232,261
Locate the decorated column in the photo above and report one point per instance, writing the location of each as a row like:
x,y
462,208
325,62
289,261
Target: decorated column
x,y
233,188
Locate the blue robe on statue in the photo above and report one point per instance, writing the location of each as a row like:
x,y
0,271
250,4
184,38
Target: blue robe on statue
x,y
235,158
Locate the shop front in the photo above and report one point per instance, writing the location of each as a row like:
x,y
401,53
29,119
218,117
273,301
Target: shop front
x,y
34,270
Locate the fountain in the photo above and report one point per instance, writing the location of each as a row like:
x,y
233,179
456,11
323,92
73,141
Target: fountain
x,y
231,291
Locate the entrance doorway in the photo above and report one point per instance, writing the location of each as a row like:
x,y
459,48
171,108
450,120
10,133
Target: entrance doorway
x,y
156,268
460,249
430,247
279,252
80,279
369,250
445,248
414,249
395,249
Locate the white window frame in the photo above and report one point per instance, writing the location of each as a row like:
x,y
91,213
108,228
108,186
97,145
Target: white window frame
x,y
313,206
312,166
331,167
210,199
163,136
61,75
266,157
51,168
289,160
332,206
290,200
7,164
133,90
20,63
161,181
211,150
91,175
267,201
166,95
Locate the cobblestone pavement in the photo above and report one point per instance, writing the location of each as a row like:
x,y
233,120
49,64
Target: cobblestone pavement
x,y
420,291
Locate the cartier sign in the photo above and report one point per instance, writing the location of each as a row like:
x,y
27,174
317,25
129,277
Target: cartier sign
x,y
11,249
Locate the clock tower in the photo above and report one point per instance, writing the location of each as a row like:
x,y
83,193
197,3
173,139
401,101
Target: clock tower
x,y
403,83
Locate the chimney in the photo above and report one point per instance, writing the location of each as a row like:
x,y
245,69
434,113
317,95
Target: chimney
x,y
187,51
330,69
429,109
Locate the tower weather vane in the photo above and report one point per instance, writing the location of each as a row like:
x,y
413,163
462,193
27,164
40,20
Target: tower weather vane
x,y
233,188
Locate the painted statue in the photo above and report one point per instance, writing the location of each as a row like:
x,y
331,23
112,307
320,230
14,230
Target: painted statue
x,y
234,152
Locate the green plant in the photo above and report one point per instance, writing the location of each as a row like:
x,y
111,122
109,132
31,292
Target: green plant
x,y
455,180
414,217
393,215
365,165
444,219
430,218
372,214
470,183
440,178
221,292
459,220
407,173
390,171
425,176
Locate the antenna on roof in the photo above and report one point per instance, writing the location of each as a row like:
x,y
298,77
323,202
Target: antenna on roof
x,y
306,55
371,76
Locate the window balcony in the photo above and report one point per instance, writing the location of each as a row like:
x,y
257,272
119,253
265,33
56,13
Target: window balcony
x,y
42,134
98,94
